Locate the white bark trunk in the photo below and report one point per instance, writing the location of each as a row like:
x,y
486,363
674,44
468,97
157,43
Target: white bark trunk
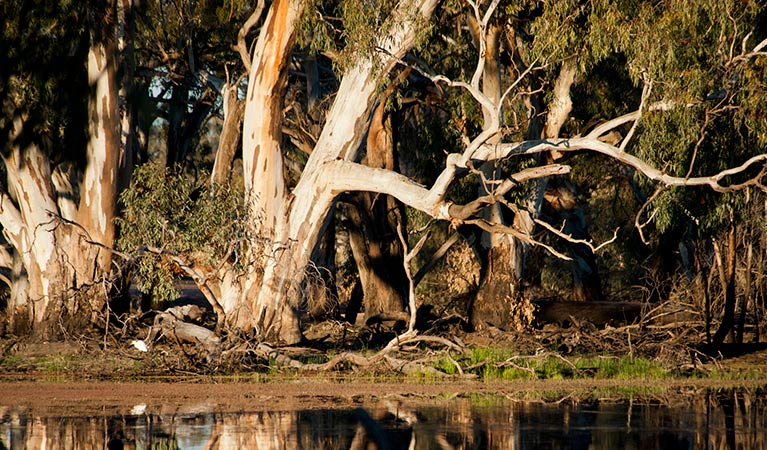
x,y
54,258
98,195
261,144
302,218
33,229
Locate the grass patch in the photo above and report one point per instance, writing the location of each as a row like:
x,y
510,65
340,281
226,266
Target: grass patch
x,y
736,374
502,364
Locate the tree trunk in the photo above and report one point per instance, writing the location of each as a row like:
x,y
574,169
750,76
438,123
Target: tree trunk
x,y
563,204
262,135
498,288
727,278
98,195
373,233
229,140
562,196
321,290
747,294
263,167
301,219
30,229
61,251
127,107
377,260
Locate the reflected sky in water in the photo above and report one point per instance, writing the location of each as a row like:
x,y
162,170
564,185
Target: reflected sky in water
x,y
719,419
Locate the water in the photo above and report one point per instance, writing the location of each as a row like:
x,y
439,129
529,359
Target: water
x,y
702,419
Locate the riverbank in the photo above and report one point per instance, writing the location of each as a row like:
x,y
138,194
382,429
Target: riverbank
x,y
229,395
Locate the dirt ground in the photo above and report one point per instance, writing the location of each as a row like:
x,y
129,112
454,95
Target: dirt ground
x,y
46,398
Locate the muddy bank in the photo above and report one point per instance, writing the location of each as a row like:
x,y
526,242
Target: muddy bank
x,y
45,398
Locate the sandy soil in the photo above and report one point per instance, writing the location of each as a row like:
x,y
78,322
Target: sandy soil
x,y
44,398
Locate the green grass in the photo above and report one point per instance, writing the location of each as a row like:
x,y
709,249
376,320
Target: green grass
x,y
736,374
502,364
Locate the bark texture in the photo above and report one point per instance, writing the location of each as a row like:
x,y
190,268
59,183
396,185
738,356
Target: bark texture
x,y
263,169
302,216
373,226
231,132
499,286
61,232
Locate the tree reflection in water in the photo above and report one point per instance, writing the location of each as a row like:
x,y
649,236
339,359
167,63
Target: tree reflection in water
x,y
705,419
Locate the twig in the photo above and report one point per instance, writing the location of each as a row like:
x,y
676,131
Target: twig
x,y
569,237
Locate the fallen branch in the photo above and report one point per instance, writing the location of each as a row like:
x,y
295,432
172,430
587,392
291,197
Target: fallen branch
x,y
268,352
168,324
199,279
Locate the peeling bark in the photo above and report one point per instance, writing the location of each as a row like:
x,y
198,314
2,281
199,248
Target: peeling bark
x,y
229,140
263,165
262,132
98,195
302,216
61,231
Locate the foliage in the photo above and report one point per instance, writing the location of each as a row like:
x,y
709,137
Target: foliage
x,y
348,29
39,39
169,211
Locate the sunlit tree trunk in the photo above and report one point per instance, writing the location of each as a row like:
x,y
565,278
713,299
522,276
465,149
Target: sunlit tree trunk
x,y
61,245
296,221
30,229
98,193
262,162
229,140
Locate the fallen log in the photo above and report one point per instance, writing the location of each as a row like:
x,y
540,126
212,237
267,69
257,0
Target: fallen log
x,y
168,324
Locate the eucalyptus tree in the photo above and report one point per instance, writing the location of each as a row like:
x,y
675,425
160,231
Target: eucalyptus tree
x,y
670,61
260,289
61,150
701,68
185,62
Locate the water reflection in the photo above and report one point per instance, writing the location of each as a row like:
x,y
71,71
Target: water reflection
x,y
711,419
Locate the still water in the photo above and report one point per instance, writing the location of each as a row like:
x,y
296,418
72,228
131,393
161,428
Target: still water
x,y
702,419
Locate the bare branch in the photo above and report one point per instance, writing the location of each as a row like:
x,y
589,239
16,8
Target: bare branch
x,y
480,28
441,251
606,127
463,212
242,46
640,226
646,89
520,235
756,51
473,90
594,144
489,13
409,255
517,81
569,238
